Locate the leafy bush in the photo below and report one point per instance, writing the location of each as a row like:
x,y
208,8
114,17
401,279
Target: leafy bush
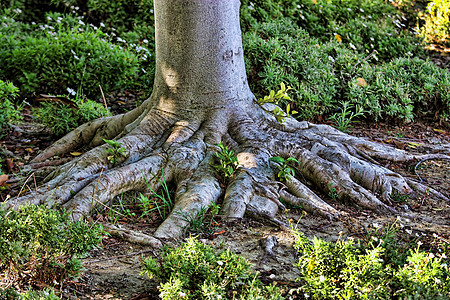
x,y
280,52
402,88
11,294
436,27
41,244
9,113
376,269
63,53
196,271
363,25
61,118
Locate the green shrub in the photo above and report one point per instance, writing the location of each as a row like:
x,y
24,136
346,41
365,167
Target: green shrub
x,y
11,294
44,244
280,52
61,119
436,27
376,269
63,53
402,88
9,113
362,25
196,271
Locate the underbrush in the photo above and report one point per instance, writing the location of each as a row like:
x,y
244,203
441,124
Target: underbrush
x,y
197,271
65,53
61,118
378,267
325,75
40,246
9,112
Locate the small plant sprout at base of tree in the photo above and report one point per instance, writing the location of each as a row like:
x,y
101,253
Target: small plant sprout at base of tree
x,y
116,151
343,119
161,202
285,172
225,162
278,98
201,221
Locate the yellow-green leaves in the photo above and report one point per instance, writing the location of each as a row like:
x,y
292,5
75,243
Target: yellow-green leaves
x,y
277,98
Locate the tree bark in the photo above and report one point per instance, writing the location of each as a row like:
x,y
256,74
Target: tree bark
x,y
201,98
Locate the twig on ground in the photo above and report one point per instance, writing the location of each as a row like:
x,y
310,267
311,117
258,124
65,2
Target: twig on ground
x,y
269,243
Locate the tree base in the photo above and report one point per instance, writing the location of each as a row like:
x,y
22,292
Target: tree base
x,y
159,143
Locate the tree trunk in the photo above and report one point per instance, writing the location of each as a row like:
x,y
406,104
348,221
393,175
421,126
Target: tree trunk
x,y
201,98
199,57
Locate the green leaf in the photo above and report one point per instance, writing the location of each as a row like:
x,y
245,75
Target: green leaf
x,y
277,159
292,159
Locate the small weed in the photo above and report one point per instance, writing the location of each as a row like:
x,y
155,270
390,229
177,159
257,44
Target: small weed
x,y
201,221
197,271
343,119
225,162
285,172
333,193
116,151
397,197
276,98
161,202
400,135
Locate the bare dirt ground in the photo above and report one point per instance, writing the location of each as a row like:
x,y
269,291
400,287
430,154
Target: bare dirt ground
x,y
114,271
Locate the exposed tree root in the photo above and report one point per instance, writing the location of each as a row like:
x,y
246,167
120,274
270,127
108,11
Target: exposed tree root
x,y
133,236
335,163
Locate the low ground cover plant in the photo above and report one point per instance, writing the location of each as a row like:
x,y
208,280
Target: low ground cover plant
x,y
324,75
197,271
404,88
9,112
436,22
61,118
376,268
11,294
63,53
41,245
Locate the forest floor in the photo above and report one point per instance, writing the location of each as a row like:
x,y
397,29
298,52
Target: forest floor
x,y
114,270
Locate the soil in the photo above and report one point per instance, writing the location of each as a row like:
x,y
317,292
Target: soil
x,y
114,270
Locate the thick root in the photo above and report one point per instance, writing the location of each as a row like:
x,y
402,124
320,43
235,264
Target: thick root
x,y
157,142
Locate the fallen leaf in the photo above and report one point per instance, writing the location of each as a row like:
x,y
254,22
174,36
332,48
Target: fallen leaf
x,y
29,150
9,164
220,232
361,82
414,145
439,130
75,153
338,38
3,179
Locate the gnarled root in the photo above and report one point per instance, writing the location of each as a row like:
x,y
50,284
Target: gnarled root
x,y
335,163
